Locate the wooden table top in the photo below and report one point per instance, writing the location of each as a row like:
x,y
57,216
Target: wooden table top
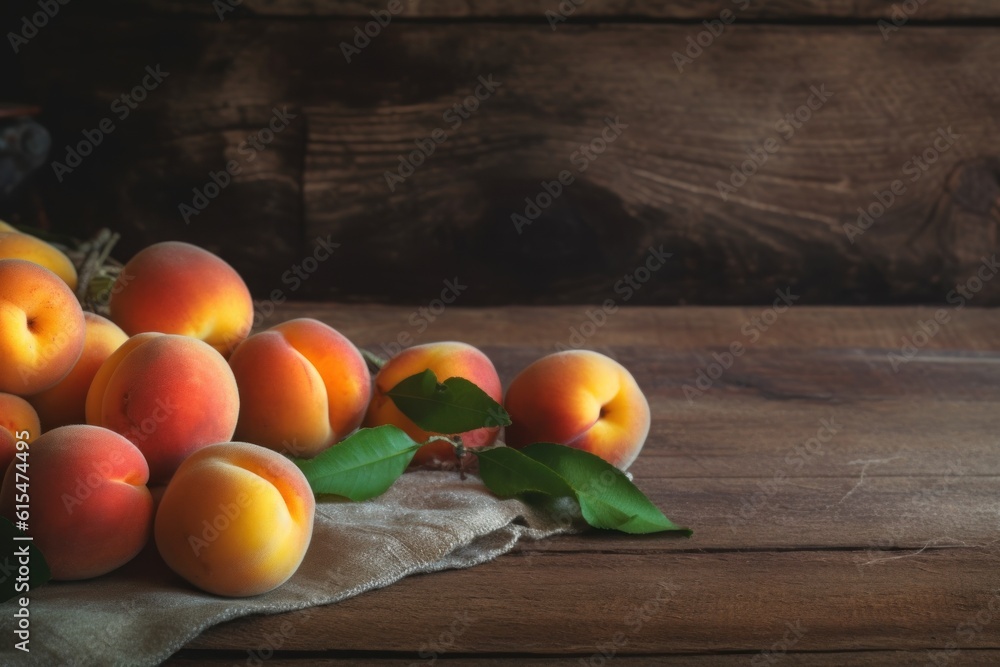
x,y
845,503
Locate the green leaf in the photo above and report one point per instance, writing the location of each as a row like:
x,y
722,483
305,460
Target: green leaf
x,y
608,499
452,407
10,562
363,466
507,473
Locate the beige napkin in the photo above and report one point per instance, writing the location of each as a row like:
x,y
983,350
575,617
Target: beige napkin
x,y
142,613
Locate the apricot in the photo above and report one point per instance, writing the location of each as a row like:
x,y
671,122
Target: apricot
x,y
90,510
17,416
15,245
581,399
447,360
169,395
235,520
65,403
179,288
18,421
41,328
6,227
8,447
99,385
303,387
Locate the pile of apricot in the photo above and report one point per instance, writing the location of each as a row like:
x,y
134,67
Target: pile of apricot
x,y
170,421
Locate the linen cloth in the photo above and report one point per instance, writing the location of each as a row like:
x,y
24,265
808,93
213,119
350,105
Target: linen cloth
x,y
143,612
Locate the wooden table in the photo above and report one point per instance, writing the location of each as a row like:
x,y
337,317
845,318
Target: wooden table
x,y
845,512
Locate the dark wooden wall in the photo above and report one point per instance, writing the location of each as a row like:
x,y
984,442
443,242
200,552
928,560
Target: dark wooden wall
x,y
655,185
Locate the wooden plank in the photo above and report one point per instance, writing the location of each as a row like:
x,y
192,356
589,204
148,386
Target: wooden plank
x,y
786,10
656,184
666,603
709,462
878,519
879,549
835,659
222,193
525,330
771,401
734,436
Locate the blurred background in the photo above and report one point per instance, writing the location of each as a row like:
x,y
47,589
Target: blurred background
x,y
534,151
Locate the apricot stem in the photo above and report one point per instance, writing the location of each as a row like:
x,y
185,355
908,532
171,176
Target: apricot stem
x,y
460,455
460,450
97,251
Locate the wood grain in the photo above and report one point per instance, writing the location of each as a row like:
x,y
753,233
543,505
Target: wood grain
x,y
166,173
877,519
879,548
832,659
655,185
526,330
819,659
697,603
604,9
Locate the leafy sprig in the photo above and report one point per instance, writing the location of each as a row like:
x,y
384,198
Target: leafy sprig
x,y
367,463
